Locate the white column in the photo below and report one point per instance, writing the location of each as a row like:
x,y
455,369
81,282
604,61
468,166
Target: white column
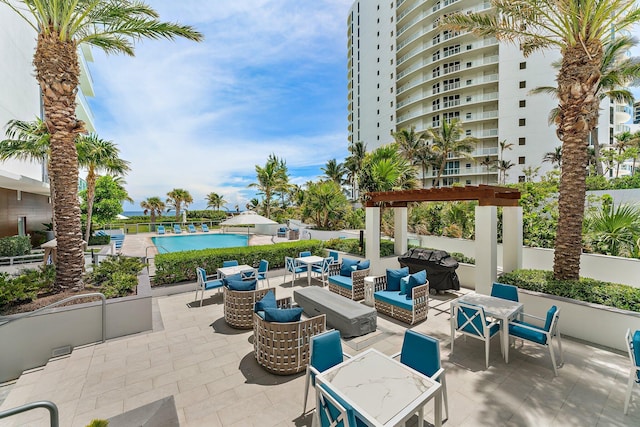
x,y
400,222
486,248
372,234
511,238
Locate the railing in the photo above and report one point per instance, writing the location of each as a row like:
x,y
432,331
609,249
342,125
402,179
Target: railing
x,y
50,406
71,298
22,259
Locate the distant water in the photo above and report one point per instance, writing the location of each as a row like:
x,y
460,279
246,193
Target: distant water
x,y
133,213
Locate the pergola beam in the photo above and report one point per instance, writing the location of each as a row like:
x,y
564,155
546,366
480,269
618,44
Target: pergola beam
x,y
486,195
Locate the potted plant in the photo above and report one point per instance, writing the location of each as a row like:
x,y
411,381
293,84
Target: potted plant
x,y
49,233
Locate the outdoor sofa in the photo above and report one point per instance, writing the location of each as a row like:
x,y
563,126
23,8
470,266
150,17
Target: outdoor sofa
x,y
347,278
410,306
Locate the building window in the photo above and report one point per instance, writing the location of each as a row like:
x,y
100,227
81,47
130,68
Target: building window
x,y
435,88
522,122
468,116
453,115
521,160
435,56
521,178
451,50
467,132
469,64
468,165
391,117
522,84
522,103
378,124
391,104
468,182
435,121
523,65
522,141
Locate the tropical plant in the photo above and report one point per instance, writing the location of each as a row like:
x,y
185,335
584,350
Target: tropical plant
x,y
579,29
107,200
215,201
272,180
625,141
153,206
325,204
530,173
614,231
415,149
97,155
334,171
61,26
503,166
448,142
384,169
353,164
177,199
253,204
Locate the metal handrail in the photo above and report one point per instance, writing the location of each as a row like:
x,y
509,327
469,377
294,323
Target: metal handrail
x,y
50,406
71,298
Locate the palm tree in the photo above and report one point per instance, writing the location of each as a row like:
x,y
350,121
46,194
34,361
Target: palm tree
x,y
215,201
487,162
61,26
176,199
580,30
334,171
97,155
625,140
253,204
617,71
272,179
414,148
353,164
503,167
554,157
447,143
384,169
504,145
154,206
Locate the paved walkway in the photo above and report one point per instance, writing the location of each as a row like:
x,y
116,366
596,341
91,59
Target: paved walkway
x,y
210,370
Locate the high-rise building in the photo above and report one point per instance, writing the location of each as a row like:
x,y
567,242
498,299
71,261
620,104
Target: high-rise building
x,y
636,112
405,71
24,186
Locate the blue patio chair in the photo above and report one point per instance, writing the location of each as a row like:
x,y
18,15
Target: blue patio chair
x,y
633,347
334,256
304,253
509,292
325,351
332,411
249,274
422,353
542,336
470,320
205,228
160,229
230,263
291,266
263,270
192,228
282,232
322,270
177,229
205,285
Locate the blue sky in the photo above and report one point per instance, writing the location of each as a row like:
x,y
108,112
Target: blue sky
x,y
270,77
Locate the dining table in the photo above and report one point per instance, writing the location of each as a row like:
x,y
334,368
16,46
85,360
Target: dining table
x,y
381,390
233,270
499,308
309,261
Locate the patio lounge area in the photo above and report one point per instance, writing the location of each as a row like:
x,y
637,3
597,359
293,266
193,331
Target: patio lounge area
x,y
211,372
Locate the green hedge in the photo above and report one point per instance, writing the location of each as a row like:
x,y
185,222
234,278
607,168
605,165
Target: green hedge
x,y
181,266
99,240
15,245
352,246
589,290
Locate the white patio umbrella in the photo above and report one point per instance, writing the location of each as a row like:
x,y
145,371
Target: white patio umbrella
x,y
120,216
248,218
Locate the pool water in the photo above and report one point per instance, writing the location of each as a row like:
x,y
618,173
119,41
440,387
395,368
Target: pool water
x,y
201,241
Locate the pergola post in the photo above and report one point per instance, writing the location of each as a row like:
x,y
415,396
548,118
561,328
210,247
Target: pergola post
x,y
400,216
486,248
511,238
372,245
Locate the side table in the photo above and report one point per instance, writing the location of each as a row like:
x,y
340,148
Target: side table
x,y
368,291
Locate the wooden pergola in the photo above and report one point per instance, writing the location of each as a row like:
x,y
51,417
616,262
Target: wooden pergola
x,y
489,197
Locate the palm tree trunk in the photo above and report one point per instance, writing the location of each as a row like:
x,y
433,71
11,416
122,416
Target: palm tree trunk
x,y
153,219
91,192
57,71
596,148
578,115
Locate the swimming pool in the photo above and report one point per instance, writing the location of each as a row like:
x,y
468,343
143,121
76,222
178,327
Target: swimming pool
x,y
200,241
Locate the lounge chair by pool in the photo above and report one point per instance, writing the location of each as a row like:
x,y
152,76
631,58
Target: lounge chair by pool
x,y
205,228
160,229
177,229
192,228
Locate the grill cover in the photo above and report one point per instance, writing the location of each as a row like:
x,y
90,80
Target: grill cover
x,y
441,267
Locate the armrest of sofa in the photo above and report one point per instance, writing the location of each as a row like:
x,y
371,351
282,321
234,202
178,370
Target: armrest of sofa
x,y
379,283
334,269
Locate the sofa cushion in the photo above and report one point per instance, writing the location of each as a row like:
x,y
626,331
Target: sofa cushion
x,y
404,285
242,285
363,264
282,315
394,276
348,266
268,301
344,282
394,298
416,279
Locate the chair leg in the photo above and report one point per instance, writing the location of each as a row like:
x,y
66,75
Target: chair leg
x,y
201,296
445,398
553,358
560,349
627,398
306,391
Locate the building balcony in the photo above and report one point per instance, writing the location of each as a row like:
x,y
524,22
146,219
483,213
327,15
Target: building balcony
x,y
623,113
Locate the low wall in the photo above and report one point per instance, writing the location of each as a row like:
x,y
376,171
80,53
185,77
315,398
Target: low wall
x,y
29,342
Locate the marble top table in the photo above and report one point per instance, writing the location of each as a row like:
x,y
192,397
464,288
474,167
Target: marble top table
x,y
383,391
310,261
236,269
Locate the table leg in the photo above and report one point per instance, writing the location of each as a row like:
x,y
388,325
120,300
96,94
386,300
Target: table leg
x,y
437,413
505,339
308,274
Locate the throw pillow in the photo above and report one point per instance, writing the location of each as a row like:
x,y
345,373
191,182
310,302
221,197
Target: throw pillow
x,y
268,301
347,267
394,276
242,285
404,284
364,264
416,279
282,315
225,280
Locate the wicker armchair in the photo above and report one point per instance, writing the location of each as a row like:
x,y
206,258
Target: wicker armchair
x,y
411,311
283,348
350,287
238,306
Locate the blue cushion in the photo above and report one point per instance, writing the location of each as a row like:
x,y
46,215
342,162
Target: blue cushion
x,y
348,266
500,290
550,313
225,280
326,350
404,284
516,329
394,276
267,301
394,298
261,314
420,352
212,284
636,351
364,264
352,419
341,281
242,285
282,315
476,321
416,279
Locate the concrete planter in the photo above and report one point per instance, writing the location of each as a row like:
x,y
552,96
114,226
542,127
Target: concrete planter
x,y
31,341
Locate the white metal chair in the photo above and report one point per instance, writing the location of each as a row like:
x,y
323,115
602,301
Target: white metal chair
x,y
205,285
331,412
322,270
470,321
263,272
291,266
633,347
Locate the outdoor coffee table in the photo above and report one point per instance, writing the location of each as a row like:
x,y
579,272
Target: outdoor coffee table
x,y
309,261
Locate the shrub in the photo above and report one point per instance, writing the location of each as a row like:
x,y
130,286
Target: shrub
x,y
181,266
352,246
589,290
116,276
99,240
15,245
25,287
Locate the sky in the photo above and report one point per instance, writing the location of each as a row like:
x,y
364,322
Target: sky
x,y
270,77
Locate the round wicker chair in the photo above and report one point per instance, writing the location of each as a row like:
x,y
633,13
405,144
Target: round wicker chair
x,y
238,306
